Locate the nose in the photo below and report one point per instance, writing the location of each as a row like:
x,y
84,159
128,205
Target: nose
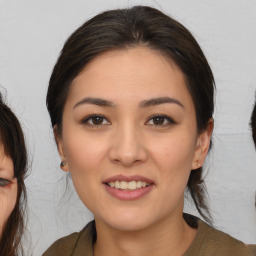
x,y
128,147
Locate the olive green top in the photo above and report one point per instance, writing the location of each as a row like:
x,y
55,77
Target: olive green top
x,y
208,242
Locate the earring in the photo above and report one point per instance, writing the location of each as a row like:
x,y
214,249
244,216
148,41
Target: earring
x,y
198,164
62,164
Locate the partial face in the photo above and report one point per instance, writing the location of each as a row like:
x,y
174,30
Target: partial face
x,y
8,188
129,138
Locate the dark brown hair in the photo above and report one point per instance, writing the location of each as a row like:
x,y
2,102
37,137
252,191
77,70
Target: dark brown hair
x,y
253,123
128,28
12,139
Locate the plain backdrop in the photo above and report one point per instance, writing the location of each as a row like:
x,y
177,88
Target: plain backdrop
x,y
32,34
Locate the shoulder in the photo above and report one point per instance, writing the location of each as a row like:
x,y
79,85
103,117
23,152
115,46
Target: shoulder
x,y
210,241
63,246
76,243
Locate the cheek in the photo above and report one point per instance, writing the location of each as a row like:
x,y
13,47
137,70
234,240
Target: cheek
x,y
8,197
173,161
173,158
174,154
85,156
84,153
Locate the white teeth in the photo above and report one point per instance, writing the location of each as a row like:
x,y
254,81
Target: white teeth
x,y
139,184
117,184
123,185
132,185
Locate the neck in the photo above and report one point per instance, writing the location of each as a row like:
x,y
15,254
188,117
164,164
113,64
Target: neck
x,y
172,235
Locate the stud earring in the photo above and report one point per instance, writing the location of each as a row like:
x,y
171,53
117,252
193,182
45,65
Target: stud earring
x,y
62,164
198,164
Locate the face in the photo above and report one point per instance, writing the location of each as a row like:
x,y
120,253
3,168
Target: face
x,y
130,139
8,188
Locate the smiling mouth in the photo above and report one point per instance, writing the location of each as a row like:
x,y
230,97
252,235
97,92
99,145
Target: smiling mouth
x,y
128,187
124,185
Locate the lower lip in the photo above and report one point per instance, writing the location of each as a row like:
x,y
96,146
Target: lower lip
x,y
128,194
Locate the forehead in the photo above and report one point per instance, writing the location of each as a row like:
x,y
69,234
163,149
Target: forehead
x,y
6,163
2,151
136,72
4,146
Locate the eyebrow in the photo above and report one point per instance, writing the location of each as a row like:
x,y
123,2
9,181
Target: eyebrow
x,y
158,101
95,101
146,103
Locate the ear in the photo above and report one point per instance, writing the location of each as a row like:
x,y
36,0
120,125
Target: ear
x,y
60,147
202,145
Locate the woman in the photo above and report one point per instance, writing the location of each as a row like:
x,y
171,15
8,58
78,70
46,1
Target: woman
x,y
13,166
131,103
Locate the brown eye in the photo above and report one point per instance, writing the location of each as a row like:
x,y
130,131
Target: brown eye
x,y
160,120
96,120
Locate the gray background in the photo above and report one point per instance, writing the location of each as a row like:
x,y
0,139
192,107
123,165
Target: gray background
x,y
31,35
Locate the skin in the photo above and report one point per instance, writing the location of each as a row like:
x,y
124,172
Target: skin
x,y
128,141
8,188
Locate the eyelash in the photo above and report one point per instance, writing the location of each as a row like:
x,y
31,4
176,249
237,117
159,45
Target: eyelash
x,y
4,182
169,120
87,119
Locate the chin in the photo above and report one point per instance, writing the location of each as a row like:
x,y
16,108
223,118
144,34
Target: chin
x,y
129,225
127,220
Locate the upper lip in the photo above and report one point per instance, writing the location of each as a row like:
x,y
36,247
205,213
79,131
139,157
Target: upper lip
x,y
128,179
